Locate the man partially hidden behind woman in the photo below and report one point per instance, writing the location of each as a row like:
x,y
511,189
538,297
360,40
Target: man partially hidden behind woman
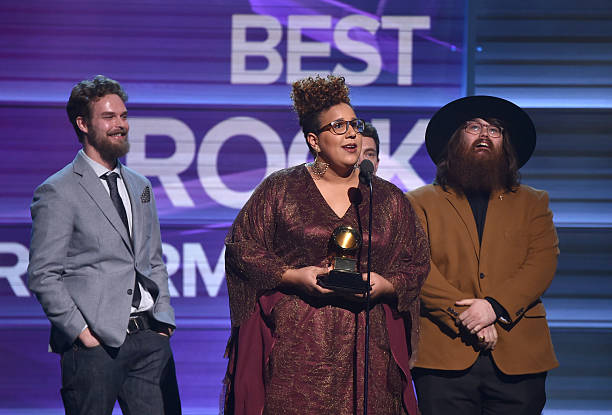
x,y
295,346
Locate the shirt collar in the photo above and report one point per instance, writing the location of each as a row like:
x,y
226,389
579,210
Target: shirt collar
x,y
99,169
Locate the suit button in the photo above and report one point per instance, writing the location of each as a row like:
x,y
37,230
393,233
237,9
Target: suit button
x,y
129,291
482,276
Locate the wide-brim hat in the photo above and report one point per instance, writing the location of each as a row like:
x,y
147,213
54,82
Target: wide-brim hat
x,y
451,116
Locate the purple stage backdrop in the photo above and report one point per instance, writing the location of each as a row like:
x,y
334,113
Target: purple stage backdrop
x,y
210,116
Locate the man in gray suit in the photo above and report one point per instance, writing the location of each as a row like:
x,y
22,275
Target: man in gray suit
x,y
96,265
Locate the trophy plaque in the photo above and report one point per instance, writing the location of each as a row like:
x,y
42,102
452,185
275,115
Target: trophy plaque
x,y
343,248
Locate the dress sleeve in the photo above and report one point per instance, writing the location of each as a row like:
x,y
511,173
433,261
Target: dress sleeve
x,y
251,264
409,265
438,296
409,257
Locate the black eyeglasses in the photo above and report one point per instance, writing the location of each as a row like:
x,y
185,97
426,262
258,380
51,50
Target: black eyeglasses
x,y
340,126
475,128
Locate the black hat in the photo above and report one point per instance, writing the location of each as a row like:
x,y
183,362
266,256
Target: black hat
x,y
451,116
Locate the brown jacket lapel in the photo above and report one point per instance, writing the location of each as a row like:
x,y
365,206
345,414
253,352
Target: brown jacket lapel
x,y
463,209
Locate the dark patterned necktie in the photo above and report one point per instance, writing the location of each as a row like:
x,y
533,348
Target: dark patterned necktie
x,y
111,179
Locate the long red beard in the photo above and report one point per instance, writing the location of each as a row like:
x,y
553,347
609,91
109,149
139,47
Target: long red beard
x,y
472,173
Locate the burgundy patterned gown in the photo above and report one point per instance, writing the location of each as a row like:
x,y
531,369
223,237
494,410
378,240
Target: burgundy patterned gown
x,y
294,354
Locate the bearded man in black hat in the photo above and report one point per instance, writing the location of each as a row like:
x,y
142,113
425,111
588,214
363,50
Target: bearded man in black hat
x,y
484,345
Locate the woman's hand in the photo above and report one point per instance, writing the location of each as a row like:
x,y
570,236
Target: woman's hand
x,y
382,289
305,280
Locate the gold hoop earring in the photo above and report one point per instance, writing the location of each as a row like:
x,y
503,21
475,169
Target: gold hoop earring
x,y
318,167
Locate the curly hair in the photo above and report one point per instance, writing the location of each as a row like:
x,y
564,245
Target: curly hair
x,y
311,96
90,90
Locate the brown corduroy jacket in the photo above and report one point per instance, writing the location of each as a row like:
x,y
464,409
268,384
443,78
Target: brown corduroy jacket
x,y
514,265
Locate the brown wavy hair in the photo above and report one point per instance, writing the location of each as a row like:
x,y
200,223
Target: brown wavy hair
x,y
86,92
311,96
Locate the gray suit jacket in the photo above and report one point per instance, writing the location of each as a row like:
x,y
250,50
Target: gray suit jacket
x,y
82,264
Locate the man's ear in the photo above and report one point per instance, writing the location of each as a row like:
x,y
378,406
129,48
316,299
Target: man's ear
x,y
82,124
313,140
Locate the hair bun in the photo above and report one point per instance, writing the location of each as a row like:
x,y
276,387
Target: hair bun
x,y
314,94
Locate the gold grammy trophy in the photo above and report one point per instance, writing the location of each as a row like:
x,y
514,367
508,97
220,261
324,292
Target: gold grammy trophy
x,y
343,248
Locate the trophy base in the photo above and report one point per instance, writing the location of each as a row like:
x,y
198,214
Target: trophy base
x,y
343,281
